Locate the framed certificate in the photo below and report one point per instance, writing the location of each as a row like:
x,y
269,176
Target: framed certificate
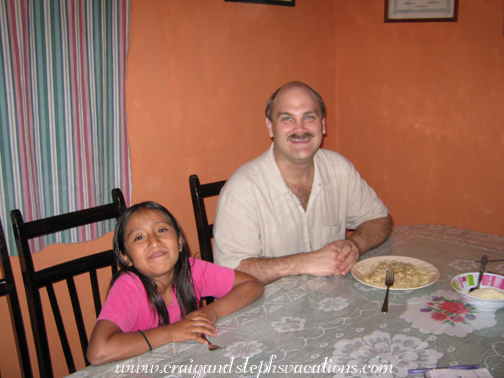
x,y
420,10
289,3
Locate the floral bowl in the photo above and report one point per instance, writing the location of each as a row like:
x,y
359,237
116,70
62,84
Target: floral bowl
x,y
463,282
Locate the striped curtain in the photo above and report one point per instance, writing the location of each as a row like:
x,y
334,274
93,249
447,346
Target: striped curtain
x,y
63,142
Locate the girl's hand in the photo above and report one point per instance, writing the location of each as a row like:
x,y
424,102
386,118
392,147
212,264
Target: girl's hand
x,y
191,328
206,312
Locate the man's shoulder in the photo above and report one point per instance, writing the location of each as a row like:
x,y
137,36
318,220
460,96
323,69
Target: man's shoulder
x,y
330,155
331,159
248,173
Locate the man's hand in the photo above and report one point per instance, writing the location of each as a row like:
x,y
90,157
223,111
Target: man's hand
x,y
348,255
323,262
334,259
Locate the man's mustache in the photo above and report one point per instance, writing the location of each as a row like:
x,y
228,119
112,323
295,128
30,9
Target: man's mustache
x,y
300,136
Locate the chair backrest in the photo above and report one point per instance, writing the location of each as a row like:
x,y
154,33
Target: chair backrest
x,y
8,289
45,278
205,230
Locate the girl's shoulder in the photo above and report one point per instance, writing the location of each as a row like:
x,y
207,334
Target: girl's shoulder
x,y
204,268
198,264
128,279
211,279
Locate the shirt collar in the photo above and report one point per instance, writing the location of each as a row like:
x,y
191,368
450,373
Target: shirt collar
x,y
274,177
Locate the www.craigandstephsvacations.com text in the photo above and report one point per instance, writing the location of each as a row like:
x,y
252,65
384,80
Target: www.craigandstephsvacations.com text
x,y
263,368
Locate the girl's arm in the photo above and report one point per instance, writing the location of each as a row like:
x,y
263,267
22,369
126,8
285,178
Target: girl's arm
x,y
109,343
246,289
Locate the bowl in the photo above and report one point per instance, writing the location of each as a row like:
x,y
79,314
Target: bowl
x,y
463,282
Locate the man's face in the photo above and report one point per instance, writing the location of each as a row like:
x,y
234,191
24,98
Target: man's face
x,y
297,126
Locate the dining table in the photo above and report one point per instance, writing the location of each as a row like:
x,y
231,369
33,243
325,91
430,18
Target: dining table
x,y
334,327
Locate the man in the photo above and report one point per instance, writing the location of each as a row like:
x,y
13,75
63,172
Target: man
x,y
287,211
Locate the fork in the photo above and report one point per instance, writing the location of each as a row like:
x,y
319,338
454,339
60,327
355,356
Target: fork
x,y
211,346
389,281
484,261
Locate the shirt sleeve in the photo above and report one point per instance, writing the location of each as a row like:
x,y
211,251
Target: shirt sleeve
x,y
363,203
236,229
211,280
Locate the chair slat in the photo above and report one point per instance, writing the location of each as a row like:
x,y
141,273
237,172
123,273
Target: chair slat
x,y
81,328
61,328
96,291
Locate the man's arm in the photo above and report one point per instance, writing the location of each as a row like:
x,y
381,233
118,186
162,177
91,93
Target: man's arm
x,y
323,262
335,258
372,233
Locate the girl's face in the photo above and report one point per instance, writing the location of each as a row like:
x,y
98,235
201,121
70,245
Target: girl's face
x,y
152,245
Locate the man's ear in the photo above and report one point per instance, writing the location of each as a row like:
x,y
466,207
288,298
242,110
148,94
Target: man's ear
x,y
323,126
269,125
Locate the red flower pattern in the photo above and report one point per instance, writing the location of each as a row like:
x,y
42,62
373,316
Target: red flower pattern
x,y
439,316
449,311
454,307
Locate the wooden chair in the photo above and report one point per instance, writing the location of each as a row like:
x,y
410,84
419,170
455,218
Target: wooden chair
x,y
8,289
34,281
205,230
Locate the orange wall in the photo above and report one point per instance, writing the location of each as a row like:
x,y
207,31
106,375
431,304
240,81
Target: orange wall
x,y
420,111
199,76
418,107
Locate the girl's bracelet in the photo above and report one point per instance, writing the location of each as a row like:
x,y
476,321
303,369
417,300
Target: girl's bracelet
x,y
146,340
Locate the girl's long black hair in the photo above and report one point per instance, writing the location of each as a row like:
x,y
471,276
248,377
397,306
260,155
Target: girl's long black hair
x,y
182,275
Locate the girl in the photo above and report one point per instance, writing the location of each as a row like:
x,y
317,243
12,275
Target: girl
x,y
153,298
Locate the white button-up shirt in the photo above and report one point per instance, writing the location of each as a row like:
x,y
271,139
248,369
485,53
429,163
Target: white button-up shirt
x,y
259,216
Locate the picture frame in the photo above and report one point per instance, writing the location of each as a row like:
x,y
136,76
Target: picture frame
x,y
421,10
289,3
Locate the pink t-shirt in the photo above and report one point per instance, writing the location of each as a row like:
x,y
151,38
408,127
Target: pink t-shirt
x,y
128,307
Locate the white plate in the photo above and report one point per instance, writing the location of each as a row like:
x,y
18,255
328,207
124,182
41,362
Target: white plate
x,y
359,269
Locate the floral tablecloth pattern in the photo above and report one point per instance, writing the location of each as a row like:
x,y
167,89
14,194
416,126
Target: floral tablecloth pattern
x,y
444,312
325,323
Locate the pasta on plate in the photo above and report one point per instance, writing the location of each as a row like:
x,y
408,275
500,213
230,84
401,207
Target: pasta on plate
x,y
406,275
